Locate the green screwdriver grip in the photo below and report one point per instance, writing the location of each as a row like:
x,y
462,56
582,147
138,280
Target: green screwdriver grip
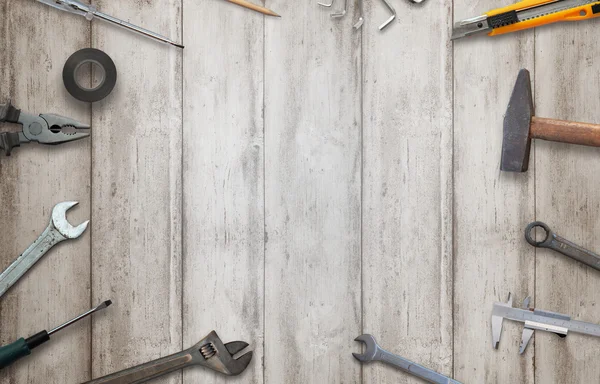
x,y
13,352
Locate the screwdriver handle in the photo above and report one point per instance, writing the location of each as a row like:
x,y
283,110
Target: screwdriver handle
x,y
13,352
21,348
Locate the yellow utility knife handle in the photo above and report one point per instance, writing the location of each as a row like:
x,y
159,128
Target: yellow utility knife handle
x,y
587,11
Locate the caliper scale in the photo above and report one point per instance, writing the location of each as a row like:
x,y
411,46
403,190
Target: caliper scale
x,y
536,319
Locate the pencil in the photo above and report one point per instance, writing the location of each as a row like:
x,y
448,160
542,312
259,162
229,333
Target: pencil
x,y
254,7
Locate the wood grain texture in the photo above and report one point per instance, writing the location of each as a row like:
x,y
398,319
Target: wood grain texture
x,y
407,187
567,198
491,208
223,189
136,191
331,182
312,196
32,181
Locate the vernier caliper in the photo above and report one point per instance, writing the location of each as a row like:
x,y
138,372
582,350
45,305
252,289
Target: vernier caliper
x,y
89,12
536,319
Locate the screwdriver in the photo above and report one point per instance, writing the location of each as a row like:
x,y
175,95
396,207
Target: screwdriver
x,y
90,11
22,347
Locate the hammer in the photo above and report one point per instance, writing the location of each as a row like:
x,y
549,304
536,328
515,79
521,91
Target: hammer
x,y
520,126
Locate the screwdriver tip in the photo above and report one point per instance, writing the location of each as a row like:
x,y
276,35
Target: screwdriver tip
x,y
104,304
178,45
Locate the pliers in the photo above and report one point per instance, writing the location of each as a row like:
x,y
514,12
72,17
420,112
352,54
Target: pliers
x,y
45,129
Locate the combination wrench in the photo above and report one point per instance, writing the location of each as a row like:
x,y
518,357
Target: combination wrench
x,y
57,231
210,352
375,353
561,245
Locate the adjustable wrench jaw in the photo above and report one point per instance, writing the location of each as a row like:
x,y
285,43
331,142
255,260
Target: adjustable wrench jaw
x,y
213,354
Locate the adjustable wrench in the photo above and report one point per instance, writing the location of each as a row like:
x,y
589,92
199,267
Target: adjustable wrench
x,y
58,230
375,353
210,352
558,244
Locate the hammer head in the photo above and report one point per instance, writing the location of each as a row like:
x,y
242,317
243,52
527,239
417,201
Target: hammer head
x,y
516,141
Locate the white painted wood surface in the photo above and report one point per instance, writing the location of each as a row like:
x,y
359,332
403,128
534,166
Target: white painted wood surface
x,y
294,183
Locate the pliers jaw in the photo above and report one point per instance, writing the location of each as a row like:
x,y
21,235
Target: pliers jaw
x,y
46,129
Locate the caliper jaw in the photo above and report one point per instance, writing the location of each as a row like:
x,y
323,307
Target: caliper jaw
x,y
497,322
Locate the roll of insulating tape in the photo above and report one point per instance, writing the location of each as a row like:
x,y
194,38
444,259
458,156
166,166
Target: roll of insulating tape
x,y
107,81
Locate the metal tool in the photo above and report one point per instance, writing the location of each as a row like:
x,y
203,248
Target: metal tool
x,y
343,12
526,14
44,129
89,12
326,5
360,20
57,231
254,7
375,353
536,319
22,347
520,126
556,243
210,353
388,21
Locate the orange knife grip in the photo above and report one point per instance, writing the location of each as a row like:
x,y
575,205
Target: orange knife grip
x,y
582,12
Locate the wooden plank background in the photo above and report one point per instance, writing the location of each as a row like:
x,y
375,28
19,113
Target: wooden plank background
x,y
294,183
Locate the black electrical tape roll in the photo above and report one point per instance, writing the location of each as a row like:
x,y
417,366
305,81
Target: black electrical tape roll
x,y
85,56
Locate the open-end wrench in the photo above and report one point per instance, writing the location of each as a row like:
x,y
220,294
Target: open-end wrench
x,y
210,353
375,353
58,230
559,244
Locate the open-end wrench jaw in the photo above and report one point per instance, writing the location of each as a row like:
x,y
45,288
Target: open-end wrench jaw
x,y
58,230
62,225
371,348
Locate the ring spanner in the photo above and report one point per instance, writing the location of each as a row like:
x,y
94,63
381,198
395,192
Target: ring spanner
x,y
210,353
375,353
559,244
58,230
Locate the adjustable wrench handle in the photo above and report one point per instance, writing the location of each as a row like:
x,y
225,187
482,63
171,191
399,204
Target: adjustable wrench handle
x,y
561,245
413,368
148,371
23,263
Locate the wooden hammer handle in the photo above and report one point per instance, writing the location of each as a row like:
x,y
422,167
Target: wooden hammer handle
x,y
565,131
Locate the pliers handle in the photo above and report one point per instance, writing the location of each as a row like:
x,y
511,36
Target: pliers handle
x,y
9,140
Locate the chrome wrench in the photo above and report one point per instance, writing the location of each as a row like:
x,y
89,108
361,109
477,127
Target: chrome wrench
x,y
57,231
375,353
561,245
210,352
